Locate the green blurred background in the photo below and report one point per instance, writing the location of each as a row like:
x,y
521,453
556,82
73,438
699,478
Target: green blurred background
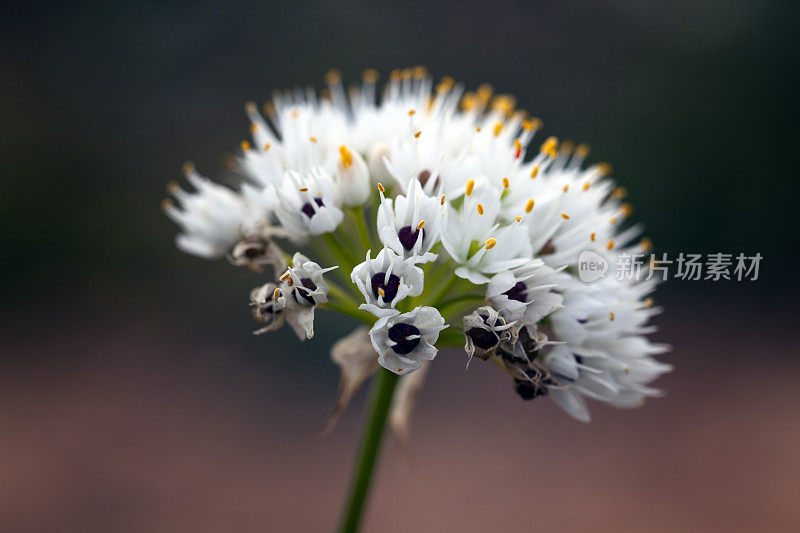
x,y
694,103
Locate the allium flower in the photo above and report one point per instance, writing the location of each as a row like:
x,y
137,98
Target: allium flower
x,y
476,223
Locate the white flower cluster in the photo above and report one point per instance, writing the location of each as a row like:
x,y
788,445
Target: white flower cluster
x,y
469,226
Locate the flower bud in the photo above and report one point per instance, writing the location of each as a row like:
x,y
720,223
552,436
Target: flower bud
x,y
352,177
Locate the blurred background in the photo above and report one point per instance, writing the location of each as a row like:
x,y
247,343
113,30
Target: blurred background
x,y
134,398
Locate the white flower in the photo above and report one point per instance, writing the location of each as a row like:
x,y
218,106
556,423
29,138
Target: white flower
x,y
477,241
308,204
403,341
266,308
255,253
303,288
352,177
386,280
212,218
410,225
526,293
484,330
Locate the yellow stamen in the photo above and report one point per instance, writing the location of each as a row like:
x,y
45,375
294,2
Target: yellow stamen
x,y
276,294
586,186
188,168
484,93
421,224
245,146
567,147
253,127
266,147
411,112
313,139
442,200
566,188
613,220
646,244
626,209
480,209
518,219
166,204
269,108
565,216
592,236
527,125
346,155
416,135
619,193
529,205
582,150
469,102
648,302
604,168
420,71
498,128
505,183
611,315
535,171
303,189
370,75
286,275
550,146
470,186
381,292
380,187
490,243
610,244
333,77
250,107
395,75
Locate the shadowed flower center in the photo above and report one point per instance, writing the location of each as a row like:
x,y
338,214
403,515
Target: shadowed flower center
x,y
398,334
518,292
308,209
483,338
408,236
389,287
308,284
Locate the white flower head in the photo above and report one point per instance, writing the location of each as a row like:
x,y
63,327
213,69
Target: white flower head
x,y
411,223
303,289
212,218
387,280
525,294
404,340
308,203
484,330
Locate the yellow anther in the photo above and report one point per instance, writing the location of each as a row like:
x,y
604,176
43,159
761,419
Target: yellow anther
x,y
535,171
421,224
469,102
333,77
566,188
380,187
582,150
295,113
276,294
565,216
479,207
396,75
407,73
604,168
245,146
592,236
250,107
420,71
550,146
613,220
610,244
646,244
527,125
442,200
303,189
266,147
370,75
536,123
498,128
469,187
286,275
188,168
490,243
478,129
529,205
648,302
346,155
381,292
611,316
313,139
567,147
253,127
172,188
626,209
586,186
518,219
416,135
411,112
504,103
166,204
290,282
484,93
619,193
269,108
505,183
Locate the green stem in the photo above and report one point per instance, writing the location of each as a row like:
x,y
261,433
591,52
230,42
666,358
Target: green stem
x,y
361,228
380,400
